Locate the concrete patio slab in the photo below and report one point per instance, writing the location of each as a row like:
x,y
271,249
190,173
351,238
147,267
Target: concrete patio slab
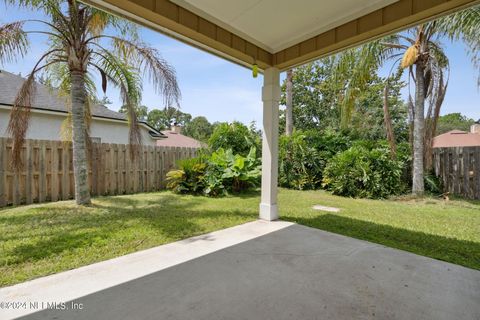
x,y
294,272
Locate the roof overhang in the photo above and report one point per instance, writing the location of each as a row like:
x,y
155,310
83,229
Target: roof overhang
x,y
278,33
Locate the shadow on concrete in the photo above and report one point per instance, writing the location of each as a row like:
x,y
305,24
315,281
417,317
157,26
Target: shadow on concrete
x,y
295,273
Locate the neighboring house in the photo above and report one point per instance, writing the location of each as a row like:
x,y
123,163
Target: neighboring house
x,y
49,110
175,138
457,138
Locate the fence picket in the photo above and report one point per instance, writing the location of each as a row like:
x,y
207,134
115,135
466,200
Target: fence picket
x,y
42,172
28,172
459,169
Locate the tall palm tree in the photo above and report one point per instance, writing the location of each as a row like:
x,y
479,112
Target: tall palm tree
x,y
289,103
78,35
13,41
419,50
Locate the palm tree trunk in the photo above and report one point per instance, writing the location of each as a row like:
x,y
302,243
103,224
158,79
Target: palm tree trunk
x,y
388,124
411,116
80,168
418,187
288,110
433,120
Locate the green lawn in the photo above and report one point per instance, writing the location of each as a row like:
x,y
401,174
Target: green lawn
x,y
37,240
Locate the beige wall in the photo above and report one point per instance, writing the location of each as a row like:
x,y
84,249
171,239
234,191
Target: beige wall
x,y
47,127
116,132
475,128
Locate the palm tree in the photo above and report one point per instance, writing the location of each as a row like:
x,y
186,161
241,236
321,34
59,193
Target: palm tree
x,y
289,104
420,51
13,41
78,35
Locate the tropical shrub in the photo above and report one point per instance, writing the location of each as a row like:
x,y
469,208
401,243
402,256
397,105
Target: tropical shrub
x,y
189,178
304,155
433,184
364,173
216,174
328,142
235,136
404,154
236,172
299,165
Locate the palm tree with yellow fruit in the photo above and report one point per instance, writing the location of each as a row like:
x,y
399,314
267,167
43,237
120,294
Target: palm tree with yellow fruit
x,y
420,52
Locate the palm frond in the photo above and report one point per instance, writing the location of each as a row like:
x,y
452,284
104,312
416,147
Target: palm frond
x,y
362,61
19,119
13,41
98,20
464,26
149,61
124,77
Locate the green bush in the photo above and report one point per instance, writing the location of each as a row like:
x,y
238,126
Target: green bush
x,y
364,173
433,184
404,154
235,136
304,155
229,172
328,143
217,174
189,178
299,166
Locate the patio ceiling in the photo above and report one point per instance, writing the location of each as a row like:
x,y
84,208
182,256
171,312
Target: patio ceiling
x,y
278,33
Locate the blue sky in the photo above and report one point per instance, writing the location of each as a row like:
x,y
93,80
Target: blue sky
x,y
223,91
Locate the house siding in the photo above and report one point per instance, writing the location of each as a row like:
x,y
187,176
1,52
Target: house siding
x,y
48,127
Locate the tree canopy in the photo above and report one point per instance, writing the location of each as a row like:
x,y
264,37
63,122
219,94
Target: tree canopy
x,y
162,119
317,97
453,121
199,128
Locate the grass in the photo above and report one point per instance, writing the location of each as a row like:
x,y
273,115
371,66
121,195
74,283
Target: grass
x,y
37,240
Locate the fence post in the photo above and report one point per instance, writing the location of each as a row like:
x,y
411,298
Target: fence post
x,y
476,176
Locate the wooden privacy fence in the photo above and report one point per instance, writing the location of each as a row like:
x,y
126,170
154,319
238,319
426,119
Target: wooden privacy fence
x,y
47,173
459,170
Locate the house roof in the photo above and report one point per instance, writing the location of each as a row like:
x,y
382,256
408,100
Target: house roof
x,y
456,138
49,99
178,140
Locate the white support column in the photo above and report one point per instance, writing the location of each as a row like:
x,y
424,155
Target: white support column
x,y
271,98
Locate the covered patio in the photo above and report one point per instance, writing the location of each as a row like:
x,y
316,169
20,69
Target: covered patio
x,y
264,269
